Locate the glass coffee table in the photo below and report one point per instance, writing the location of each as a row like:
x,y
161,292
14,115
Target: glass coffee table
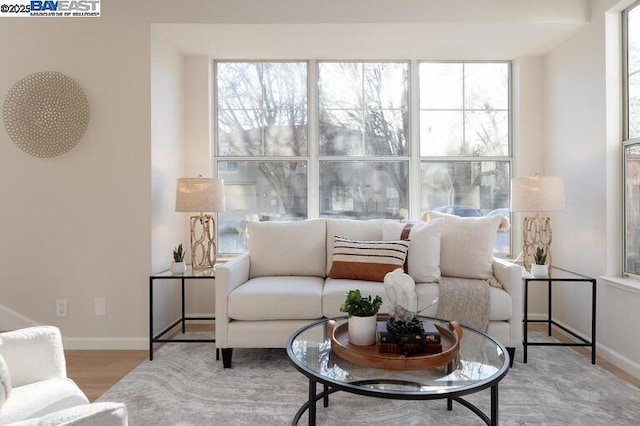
x,y
483,362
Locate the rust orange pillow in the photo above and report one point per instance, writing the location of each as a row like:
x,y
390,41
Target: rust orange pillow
x,y
367,260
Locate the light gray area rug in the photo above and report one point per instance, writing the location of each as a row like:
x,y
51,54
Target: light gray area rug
x,y
185,385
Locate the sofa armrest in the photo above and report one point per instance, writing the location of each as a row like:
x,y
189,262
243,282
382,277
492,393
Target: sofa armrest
x,y
229,275
510,276
33,354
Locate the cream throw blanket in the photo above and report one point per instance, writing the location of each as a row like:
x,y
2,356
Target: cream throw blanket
x,y
466,301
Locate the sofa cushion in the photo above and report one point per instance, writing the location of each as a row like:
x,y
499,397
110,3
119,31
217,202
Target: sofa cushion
x,y
367,260
466,248
287,248
423,257
335,291
368,230
499,299
277,298
41,398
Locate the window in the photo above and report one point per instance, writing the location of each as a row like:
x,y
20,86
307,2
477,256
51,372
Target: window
x,y
354,156
363,119
464,120
631,143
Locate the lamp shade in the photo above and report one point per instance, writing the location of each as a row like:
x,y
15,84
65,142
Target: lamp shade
x,y
537,194
200,195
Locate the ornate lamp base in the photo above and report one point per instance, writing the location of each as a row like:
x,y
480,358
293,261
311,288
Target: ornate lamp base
x,y
536,232
203,242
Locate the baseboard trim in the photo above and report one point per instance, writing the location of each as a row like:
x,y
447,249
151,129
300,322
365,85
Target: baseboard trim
x,y
602,351
105,343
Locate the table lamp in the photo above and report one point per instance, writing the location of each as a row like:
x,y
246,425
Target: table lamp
x,y
201,195
536,194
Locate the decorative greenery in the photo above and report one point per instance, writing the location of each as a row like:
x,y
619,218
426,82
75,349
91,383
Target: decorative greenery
x,y
540,257
358,306
178,254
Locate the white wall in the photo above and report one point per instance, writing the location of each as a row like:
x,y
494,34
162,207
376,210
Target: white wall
x,y
167,164
583,145
98,220
78,226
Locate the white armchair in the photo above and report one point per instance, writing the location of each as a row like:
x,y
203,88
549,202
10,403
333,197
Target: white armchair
x,y
35,389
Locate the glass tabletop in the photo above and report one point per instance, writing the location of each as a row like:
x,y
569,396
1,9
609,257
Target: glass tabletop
x,y
556,274
482,362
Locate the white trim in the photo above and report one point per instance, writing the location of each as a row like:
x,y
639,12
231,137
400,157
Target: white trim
x,y
105,343
602,351
618,360
622,283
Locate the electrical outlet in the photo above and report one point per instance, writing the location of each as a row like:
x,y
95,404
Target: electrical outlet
x,y
61,307
100,306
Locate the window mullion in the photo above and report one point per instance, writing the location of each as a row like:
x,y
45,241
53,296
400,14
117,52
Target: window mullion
x,y
415,186
313,176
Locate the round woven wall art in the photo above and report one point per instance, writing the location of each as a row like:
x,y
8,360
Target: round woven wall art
x,y
46,114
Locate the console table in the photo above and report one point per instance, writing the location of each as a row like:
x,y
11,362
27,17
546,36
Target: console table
x,y
559,275
168,275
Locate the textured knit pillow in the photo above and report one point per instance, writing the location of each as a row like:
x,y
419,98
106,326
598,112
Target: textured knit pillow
x,y
423,258
466,249
366,260
5,381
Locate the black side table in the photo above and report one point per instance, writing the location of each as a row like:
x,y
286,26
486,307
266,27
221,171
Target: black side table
x,y
559,275
188,275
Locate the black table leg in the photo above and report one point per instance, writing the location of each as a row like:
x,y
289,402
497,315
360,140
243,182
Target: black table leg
x,y
549,309
526,321
312,403
183,322
494,405
593,322
150,319
325,389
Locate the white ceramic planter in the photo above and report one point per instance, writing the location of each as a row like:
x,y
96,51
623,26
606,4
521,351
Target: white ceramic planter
x,y
540,270
362,330
178,267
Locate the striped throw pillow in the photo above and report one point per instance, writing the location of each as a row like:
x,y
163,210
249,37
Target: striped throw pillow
x,y
366,260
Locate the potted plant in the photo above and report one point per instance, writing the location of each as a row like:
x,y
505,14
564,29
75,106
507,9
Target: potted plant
x,y
540,268
178,266
362,317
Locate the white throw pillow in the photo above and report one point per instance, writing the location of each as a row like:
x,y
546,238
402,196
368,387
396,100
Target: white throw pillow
x,y
466,249
287,248
423,258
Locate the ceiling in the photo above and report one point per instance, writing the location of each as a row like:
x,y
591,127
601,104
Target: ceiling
x,y
361,29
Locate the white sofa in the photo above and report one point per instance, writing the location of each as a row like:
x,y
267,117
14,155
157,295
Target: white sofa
x,y
284,282
35,389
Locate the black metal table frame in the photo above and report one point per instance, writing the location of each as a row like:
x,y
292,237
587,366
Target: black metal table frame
x,y
551,322
331,386
158,337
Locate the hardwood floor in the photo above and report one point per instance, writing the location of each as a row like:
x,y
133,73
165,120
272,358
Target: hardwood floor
x,y
97,371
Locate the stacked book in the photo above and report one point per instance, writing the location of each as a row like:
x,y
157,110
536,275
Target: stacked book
x,y
427,342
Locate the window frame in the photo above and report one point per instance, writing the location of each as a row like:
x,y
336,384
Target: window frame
x,y
626,140
412,156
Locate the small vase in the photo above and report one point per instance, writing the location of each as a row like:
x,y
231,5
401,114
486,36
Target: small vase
x,y
178,267
539,270
362,330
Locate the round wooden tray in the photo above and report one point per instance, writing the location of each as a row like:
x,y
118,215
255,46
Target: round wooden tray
x,y
369,356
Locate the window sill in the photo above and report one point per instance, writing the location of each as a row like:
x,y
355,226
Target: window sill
x,y
623,283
